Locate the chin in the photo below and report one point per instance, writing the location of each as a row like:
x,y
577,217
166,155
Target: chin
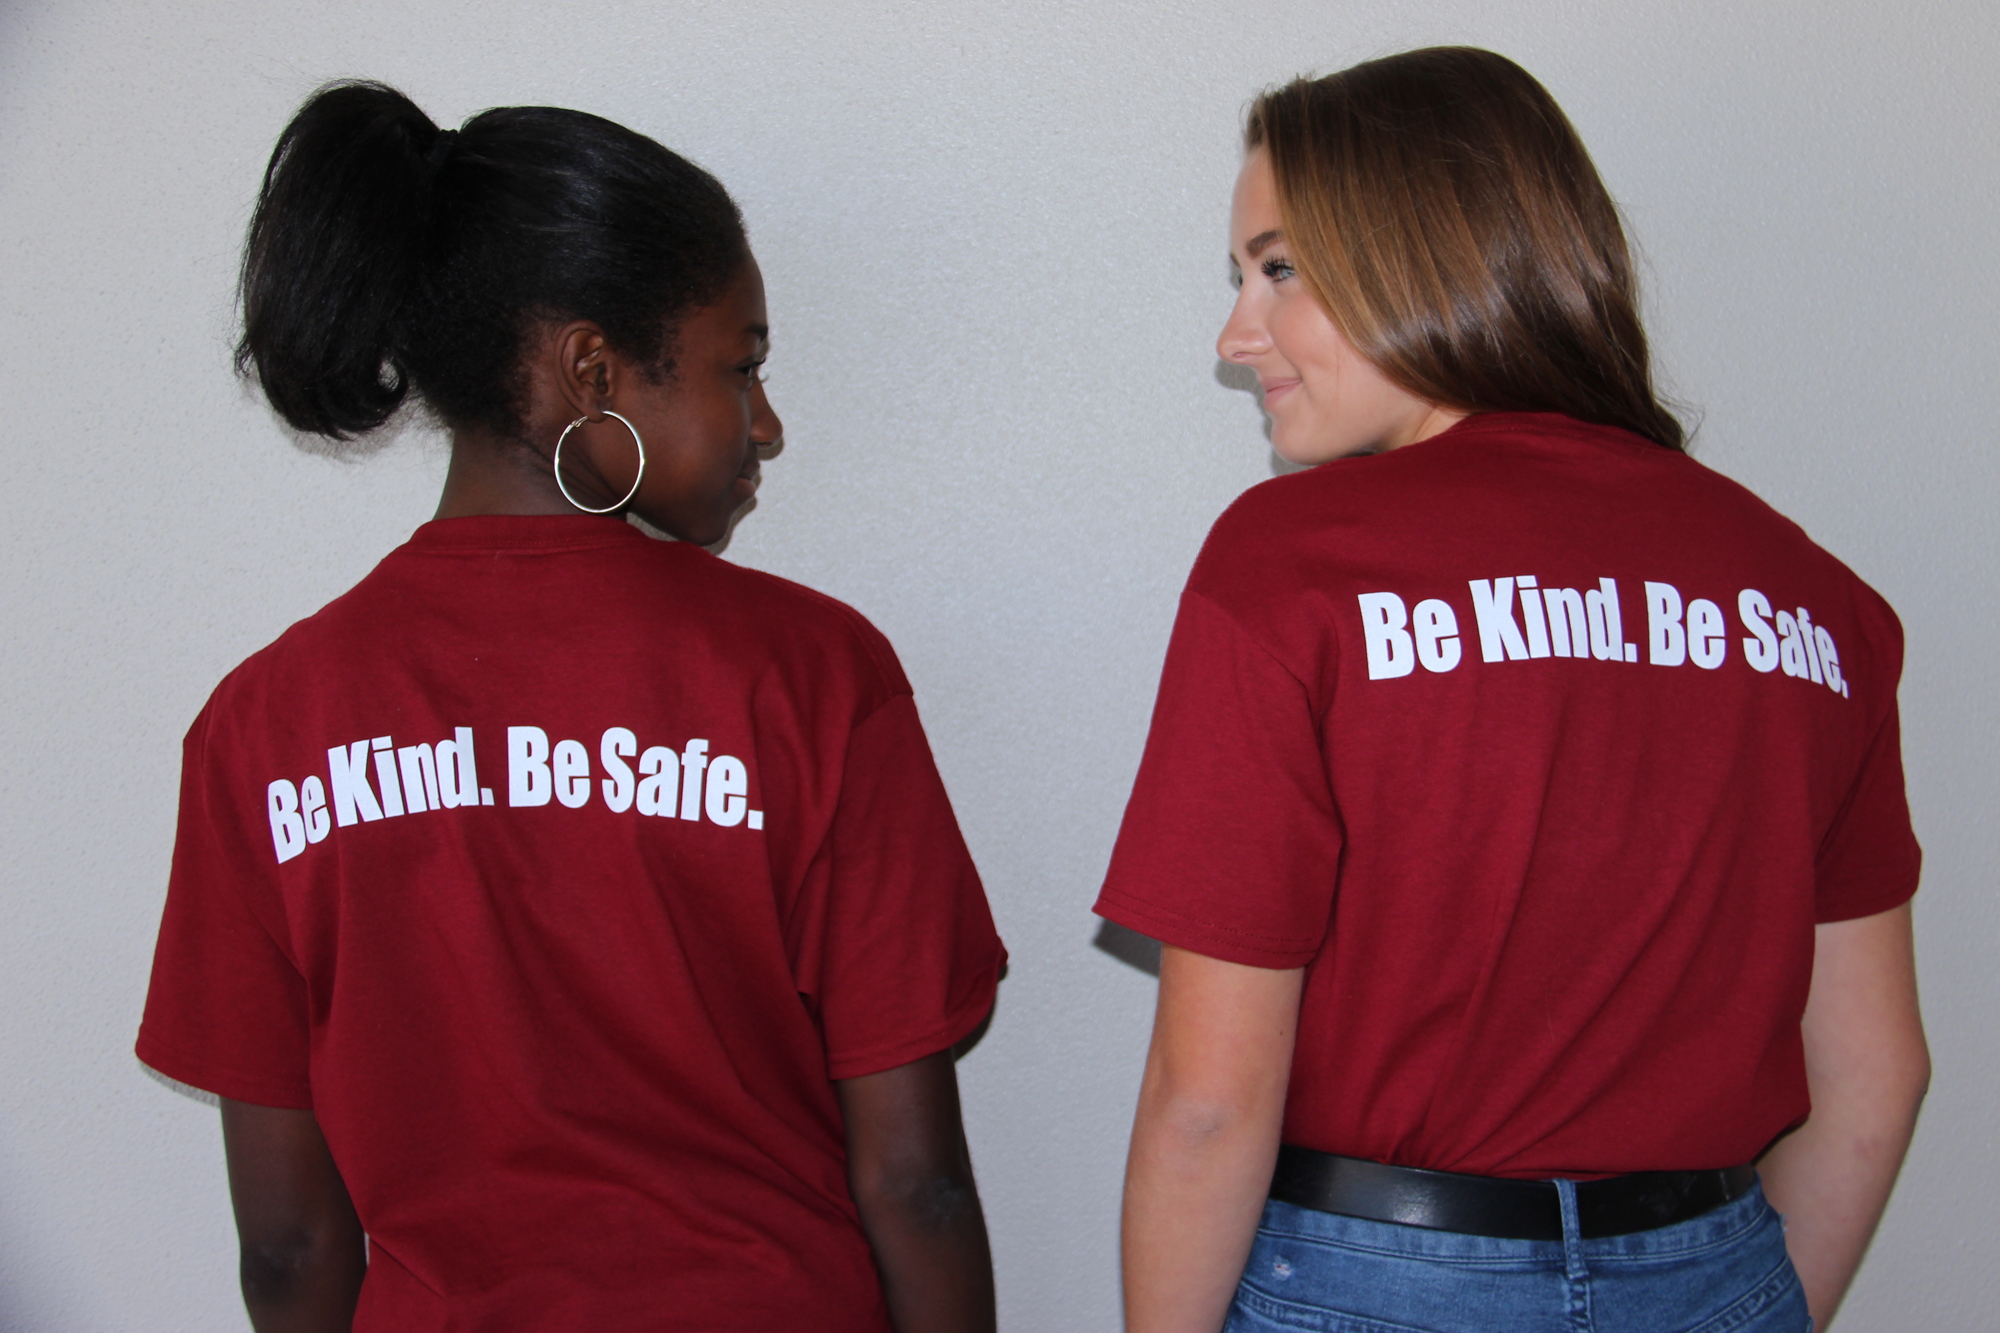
x,y
713,533
1289,451
1304,456
704,536
1315,452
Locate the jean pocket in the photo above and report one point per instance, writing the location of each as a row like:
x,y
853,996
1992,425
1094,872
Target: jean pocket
x,y
1256,1311
1775,1305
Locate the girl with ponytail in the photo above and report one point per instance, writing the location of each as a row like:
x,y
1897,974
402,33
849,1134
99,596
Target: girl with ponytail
x,y
574,916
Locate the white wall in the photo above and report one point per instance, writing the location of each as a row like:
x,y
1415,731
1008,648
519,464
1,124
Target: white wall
x,y
994,241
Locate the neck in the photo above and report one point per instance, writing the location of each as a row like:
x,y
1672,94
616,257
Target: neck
x,y
1434,422
492,475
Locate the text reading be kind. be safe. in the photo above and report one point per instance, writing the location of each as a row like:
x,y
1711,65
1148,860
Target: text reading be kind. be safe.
x,y
1567,622
685,784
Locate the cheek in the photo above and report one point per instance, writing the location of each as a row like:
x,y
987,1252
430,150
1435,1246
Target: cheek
x,y
720,438
653,422
694,430
1305,337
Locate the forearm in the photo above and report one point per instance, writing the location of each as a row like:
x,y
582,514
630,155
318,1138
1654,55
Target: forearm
x,y
929,1239
1205,1138
1867,1067
1831,1179
911,1177
309,1286
303,1253
1195,1187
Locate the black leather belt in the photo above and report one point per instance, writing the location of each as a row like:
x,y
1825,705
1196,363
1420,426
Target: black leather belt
x,y
1489,1206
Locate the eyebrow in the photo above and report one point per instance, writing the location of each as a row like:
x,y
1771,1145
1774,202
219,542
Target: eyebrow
x,y
1262,241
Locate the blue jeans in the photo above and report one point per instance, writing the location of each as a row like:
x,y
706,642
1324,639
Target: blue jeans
x,y
1723,1272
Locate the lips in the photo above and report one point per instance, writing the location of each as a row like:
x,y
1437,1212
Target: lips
x,y
748,480
1276,389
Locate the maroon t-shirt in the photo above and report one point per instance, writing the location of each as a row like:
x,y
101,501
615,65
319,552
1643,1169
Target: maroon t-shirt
x,y
1542,749
559,871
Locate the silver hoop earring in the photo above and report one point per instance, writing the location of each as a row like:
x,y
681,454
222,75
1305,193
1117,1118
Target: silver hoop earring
x,y
555,465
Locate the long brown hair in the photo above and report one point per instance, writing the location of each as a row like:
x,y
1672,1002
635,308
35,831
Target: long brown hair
x,y
1445,213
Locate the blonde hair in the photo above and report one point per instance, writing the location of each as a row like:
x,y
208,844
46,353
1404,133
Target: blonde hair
x,y
1445,213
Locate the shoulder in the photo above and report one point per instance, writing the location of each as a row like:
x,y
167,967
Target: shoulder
x,y
1505,493
1504,475
806,619
1269,519
1717,509
309,649
1276,534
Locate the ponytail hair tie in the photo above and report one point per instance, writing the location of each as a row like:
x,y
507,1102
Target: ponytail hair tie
x,y
439,147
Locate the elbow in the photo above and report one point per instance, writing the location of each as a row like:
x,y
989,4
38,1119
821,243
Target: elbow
x,y
1918,1075
279,1267
273,1267
935,1201
1886,1084
1198,1114
1906,1068
1192,1122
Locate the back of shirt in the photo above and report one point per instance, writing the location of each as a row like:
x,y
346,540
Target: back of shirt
x,y
558,871
1543,749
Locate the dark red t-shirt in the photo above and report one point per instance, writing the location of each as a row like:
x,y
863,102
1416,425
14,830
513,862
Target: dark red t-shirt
x,y
558,871
1542,749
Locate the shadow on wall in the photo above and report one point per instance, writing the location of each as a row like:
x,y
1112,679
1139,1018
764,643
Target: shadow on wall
x,y
1129,947
1244,380
410,419
765,453
191,1093
978,1034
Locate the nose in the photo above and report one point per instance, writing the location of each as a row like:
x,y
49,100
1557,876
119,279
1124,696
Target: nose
x,y
765,428
1243,334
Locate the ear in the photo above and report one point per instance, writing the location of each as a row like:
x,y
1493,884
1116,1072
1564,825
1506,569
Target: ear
x,y
588,371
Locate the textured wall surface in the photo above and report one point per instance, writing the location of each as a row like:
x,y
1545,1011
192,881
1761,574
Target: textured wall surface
x,y
994,239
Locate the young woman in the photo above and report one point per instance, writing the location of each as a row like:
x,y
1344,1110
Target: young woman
x,y
575,916
1523,812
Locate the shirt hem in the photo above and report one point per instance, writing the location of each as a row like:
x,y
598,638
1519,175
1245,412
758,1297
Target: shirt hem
x,y
1200,938
1873,905
161,1057
956,1027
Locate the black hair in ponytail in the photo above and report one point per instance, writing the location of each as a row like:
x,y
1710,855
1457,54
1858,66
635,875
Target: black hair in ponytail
x,y
387,256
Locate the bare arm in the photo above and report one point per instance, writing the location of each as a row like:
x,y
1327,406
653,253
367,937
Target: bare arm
x,y
303,1254
1868,1066
1205,1138
911,1175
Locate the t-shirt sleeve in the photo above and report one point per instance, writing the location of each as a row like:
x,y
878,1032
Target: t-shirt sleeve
x,y
1870,861
1230,844
907,959
227,1010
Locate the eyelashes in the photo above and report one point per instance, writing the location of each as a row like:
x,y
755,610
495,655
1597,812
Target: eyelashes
x,y
1274,269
